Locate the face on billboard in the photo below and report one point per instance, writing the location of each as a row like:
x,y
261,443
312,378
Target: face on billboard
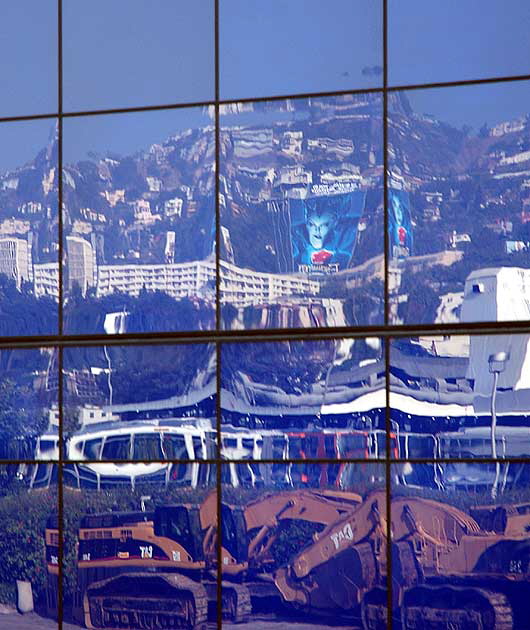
x,y
319,226
398,211
323,231
400,225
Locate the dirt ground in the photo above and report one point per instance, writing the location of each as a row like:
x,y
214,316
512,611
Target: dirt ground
x,y
262,622
32,621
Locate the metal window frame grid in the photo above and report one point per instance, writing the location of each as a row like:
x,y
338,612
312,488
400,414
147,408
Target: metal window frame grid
x,y
218,336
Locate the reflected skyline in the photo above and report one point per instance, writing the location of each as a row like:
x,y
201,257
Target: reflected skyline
x,y
134,222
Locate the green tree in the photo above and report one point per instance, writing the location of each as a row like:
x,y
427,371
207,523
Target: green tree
x,y
20,416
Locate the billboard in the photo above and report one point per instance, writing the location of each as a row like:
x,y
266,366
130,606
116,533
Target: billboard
x,y
399,224
324,230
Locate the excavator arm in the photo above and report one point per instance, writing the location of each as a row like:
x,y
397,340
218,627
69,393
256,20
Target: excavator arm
x,y
261,519
345,560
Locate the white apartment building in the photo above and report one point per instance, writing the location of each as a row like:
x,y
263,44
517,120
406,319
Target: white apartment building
x,y
242,287
15,259
81,268
176,279
46,279
239,287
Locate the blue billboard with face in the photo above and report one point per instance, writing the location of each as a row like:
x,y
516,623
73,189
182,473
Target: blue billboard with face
x,y
399,224
324,231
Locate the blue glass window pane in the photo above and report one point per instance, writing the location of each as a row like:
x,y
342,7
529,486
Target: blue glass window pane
x,y
460,396
30,545
140,402
299,47
29,268
457,40
300,525
28,58
303,400
302,213
459,204
130,53
162,555
139,217
476,514
29,417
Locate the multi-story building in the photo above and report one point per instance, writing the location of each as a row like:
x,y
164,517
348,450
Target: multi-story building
x,y
243,287
240,287
15,259
81,268
46,279
176,279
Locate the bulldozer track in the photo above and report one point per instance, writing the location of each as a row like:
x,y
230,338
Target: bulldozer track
x,y
136,609
237,604
444,606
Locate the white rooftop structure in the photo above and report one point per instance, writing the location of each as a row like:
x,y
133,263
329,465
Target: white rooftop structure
x,y
498,294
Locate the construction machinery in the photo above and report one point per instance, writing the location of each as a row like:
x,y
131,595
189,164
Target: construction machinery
x,y
148,569
158,569
453,571
450,570
339,569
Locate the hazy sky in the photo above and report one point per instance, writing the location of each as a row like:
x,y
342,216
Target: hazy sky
x,y
125,134
290,46
433,41
21,141
474,104
124,53
28,57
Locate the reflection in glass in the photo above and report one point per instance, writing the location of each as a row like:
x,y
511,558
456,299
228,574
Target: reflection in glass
x,y
460,396
315,545
460,545
29,416
459,204
29,269
29,552
134,53
142,549
142,403
302,213
431,42
28,58
139,222
303,399
298,47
